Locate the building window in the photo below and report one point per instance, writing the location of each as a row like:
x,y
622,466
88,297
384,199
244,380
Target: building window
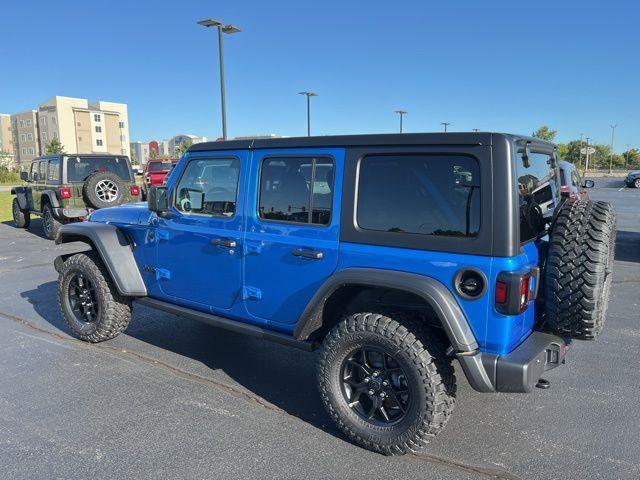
x,y
30,137
79,139
98,129
99,142
123,151
24,151
55,134
44,136
121,124
79,124
44,121
21,123
291,187
53,120
31,151
122,138
96,117
23,137
28,122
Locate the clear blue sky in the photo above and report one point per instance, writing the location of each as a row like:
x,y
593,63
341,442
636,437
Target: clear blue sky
x,y
503,66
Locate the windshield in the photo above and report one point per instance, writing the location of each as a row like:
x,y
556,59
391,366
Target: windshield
x,y
159,166
79,168
538,194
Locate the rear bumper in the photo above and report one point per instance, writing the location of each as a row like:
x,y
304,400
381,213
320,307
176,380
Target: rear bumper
x,y
519,370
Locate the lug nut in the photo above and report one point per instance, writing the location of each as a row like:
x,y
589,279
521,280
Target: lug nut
x,y
367,379
375,374
371,392
385,383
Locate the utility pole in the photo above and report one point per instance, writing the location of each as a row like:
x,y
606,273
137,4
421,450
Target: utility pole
x,y
626,157
613,131
446,124
475,129
221,29
586,161
401,113
308,95
580,152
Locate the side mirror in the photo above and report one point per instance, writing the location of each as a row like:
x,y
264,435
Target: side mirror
x,y
158,201
588,184
24,176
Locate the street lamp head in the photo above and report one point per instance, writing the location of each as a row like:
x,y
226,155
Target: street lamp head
x,y
308,94
209,22
401,112
230,29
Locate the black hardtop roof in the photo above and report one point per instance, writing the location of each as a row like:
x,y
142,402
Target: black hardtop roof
x,y
407,139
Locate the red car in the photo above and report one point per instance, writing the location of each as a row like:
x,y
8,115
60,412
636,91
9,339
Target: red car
x,y
572,182
155,171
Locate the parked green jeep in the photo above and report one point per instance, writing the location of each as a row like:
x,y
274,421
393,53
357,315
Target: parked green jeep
x,y
66,188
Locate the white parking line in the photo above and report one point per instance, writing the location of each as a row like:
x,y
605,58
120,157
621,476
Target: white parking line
x,y
620,189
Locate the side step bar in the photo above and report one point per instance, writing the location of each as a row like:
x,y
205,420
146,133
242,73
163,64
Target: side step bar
x,y
227,324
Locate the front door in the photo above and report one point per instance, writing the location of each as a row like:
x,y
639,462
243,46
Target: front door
x,y
292,234
199,259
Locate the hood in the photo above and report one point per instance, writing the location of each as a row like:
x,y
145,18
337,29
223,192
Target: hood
x,y
129,213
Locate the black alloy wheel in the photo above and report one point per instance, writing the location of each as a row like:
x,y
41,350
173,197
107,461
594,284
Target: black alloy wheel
x,y
83,299
374,385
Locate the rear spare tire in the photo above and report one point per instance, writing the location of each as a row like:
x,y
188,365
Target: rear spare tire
x,y
579,269
103,189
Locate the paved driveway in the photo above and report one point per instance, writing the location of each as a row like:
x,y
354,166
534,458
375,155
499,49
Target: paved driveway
x,y
176,399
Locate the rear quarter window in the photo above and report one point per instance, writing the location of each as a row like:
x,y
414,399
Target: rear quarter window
x,y
427,194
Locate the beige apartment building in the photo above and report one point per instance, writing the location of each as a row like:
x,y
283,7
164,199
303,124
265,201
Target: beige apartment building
x,y
83,127
24,131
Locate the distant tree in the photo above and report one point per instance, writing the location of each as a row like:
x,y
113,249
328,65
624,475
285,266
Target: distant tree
x,y
6,160
631,158
54,146
545,133
181,149
563,152
134,159
153,155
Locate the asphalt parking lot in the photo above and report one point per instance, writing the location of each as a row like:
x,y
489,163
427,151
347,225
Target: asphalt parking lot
x,y
172,398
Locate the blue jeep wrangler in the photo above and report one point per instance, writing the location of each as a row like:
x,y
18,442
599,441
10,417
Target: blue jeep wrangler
x,y
395,254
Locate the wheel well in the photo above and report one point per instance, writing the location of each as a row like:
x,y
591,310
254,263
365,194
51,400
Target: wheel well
x,y
351,299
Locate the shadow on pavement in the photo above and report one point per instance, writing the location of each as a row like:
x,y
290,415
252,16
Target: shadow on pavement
x,y
628,246
35,227
283,376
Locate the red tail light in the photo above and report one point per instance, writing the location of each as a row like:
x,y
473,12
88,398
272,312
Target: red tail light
x,y
135,190
66,192
564,189
513,292
501,292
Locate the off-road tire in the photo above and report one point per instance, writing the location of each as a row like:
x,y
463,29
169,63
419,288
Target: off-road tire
x,y
91,196
50,225
579,268
21,218
636,183
429,374
114,309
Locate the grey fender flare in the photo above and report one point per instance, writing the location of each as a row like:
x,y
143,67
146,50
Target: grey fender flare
x,y
21,195
431,290
51,195
444,304
114,249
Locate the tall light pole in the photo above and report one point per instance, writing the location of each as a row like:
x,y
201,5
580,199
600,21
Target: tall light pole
x,y
308,95
613,131
446,124
586,159
221,29
475,129
626,157
402,113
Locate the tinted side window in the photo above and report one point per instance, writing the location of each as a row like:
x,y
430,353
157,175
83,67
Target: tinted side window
x,y
425,194
42,171
53,172
291,187
209,187
538,192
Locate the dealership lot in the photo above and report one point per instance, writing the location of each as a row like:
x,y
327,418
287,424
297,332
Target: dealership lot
x,y
176,399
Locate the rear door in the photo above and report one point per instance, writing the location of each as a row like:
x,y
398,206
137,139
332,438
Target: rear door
x,y
292,232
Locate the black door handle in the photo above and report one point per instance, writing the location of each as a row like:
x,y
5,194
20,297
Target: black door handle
x,y
223,242
312,254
